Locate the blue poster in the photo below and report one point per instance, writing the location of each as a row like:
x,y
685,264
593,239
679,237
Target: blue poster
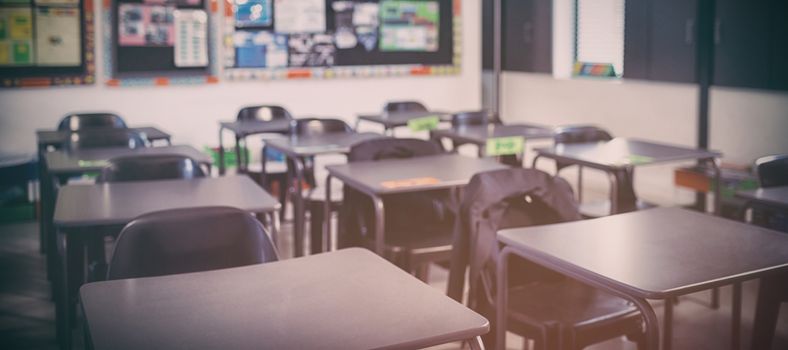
x,y
253,13
260,49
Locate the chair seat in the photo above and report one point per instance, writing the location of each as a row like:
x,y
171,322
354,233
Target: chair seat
x,y
598,209
566,302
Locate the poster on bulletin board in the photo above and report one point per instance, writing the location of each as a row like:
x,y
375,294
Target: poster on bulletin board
x,y
159,42
286,39
46,42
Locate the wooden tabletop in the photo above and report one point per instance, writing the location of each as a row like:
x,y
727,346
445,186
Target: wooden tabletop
x,y
119,203
655,253
348,299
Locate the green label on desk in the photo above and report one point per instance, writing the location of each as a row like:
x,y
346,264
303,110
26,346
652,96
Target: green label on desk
x,y
635,159
504,146
93,163
424,123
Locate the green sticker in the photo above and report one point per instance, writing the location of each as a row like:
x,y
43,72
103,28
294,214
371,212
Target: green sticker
x,y
638,159
424,123
504,146
21,52
93,163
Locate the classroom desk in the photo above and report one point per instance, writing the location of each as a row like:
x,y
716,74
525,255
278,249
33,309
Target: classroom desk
x,y
658,253
479,134
776,197
380,178
59,165
242,129
348,299
398,119
619,156
55,138
83,210
298,149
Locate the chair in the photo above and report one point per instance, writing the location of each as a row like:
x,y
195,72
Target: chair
x,y
417,226
263,113
150,167
544,306
473,118
105,139
404,106
772,170
314,197
82,121
189,240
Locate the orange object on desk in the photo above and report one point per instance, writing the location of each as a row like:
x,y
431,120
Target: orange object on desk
x,y
419,181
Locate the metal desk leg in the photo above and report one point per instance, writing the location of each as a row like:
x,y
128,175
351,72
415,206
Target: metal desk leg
x,y
380,224
40,165
298,207
71,277
238,153
613,177
736,317
273,226
476,343
502,298
580,184
327,216
717,191
667,326
221,151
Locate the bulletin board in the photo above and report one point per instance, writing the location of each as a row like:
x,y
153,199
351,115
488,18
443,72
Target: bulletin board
x,y
46,42
159,42
288,39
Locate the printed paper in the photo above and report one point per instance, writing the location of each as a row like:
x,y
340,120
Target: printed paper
x,y
253,13
143,25
409,25
311,50
299,16
58,36
260,49
57,2
191,38
16,36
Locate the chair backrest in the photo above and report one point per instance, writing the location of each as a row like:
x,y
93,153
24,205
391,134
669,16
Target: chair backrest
x,y
145,167
772,170
104,139
500,199
82,121
391,148
580,134
473,118
189,240
318,126
263,112
404,106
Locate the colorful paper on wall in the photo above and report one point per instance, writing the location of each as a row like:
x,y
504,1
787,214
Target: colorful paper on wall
x,y
16,36
191,38
356,23
142,25
311,50
58,36
260,49
253,13
408,25
57,2
299,16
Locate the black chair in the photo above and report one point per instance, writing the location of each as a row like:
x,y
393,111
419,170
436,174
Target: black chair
x,y
314,196
473,118
543,305
105,139
404,106
263,113
772,170
189,240
82,121
418,225
150,167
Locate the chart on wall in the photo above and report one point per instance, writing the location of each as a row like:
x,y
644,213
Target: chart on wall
x,y
283,39
160,42
46,42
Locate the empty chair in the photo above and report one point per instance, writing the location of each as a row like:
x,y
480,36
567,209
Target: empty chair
x,y
82,121
418,225
772,171
404,106
263,113
104,139
580,134
318,126
189,240
473,118
150,167
543,305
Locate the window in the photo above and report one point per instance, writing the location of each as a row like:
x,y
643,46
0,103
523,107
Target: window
x,y
599,29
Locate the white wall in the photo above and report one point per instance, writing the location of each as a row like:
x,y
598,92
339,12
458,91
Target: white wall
x,y
191,113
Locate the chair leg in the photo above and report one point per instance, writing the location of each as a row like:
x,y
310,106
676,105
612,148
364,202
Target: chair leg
x,y
316,227
423,272
639,339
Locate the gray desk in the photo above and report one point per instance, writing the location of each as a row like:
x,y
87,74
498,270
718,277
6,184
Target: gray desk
x,y
441,172
83,210
776,197
348,299
67,163
619,156
651,254
398,119
479,134
298,149
242,129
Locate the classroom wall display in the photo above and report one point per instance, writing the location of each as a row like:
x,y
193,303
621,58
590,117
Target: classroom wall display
x,y
159,42
46,42
288,39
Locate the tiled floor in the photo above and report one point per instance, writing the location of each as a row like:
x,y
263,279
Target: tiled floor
x,y
27,313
